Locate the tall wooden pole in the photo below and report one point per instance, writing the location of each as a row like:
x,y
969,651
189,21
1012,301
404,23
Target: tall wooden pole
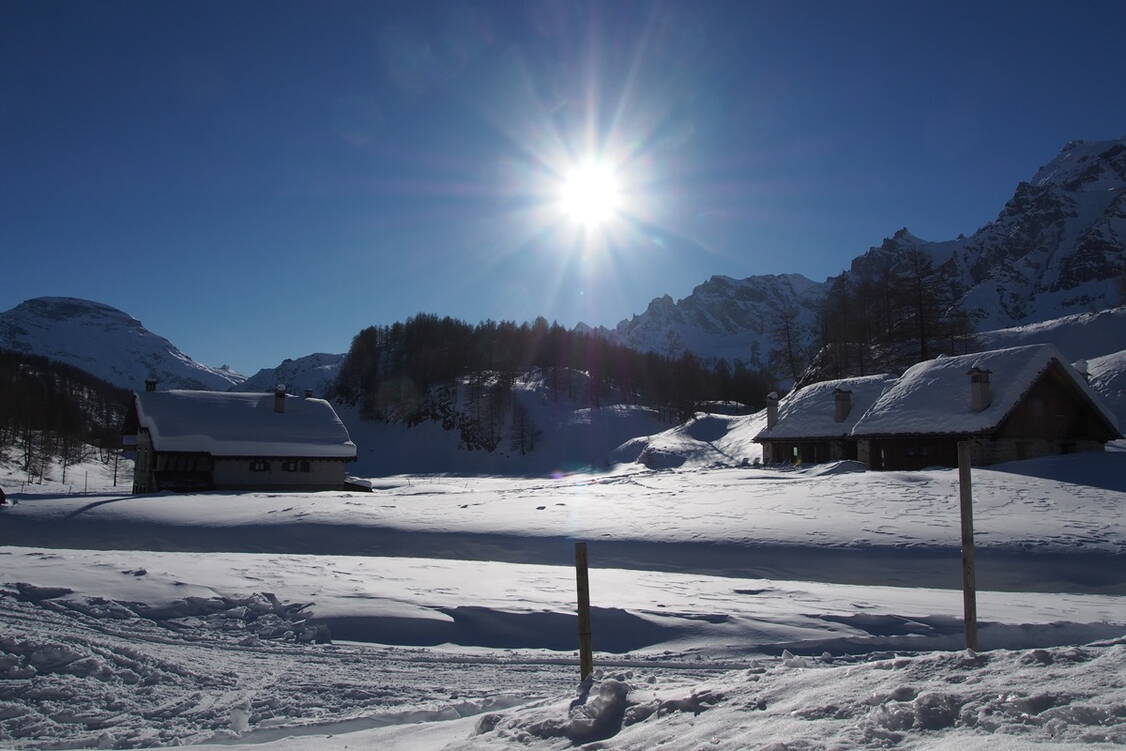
x,y
586,658
969,583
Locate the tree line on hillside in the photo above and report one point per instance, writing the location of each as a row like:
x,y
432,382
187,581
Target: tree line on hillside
x,y
885,319
393,372
55,412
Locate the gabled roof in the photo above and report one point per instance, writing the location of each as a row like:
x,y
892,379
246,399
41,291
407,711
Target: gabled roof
x,y
808,412
933,397
229,424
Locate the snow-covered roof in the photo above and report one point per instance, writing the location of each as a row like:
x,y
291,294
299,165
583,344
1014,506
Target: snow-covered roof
x,y
810,411
933,397
229,424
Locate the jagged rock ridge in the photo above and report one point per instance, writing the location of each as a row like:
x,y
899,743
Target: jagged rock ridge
x,y
724,317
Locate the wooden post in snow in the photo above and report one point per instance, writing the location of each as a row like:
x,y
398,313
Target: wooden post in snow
x,y
586,658
969,582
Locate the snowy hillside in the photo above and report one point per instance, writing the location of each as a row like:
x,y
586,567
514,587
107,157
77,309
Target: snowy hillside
x,y
724,317
1079,337
534,433
317,372
105,342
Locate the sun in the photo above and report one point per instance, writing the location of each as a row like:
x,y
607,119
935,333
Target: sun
x,y
590,194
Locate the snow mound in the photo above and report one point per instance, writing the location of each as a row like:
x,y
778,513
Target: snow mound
x,y
706,440
1061,697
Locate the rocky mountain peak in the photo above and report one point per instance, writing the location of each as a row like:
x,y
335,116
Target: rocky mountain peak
x,y
1085,166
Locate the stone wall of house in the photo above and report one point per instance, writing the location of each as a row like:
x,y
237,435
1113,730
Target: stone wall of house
x,y
245,472
143,480
994,451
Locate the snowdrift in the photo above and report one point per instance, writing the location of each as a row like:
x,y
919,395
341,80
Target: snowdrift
x,y
707,440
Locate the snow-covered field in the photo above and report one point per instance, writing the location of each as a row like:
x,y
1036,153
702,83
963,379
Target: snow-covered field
x,y
746,608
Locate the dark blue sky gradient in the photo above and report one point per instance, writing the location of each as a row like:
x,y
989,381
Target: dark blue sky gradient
x,y
261,180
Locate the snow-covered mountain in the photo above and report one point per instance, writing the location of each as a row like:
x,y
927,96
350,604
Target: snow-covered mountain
x,y
105,342
317,372
724,317
1057,246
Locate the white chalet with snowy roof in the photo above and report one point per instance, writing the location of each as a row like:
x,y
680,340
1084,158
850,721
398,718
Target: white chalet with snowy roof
x,y
202,440
1013,403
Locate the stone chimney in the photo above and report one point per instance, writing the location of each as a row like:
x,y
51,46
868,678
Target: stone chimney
x,y
842,404
279,398
1084,371
771,409
150,384
308,393
980,396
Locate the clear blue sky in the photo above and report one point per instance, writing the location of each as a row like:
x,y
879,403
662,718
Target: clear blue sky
x,y
261,180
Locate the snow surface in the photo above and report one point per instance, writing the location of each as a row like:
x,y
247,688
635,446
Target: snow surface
x,y
232,424
1052,522
933,397
809,412
731,607
105,342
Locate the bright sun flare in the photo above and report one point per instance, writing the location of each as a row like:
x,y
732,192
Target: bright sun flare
x,y
590,194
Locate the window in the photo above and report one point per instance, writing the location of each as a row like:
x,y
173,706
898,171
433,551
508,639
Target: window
x,y
305,466
259,465
290,466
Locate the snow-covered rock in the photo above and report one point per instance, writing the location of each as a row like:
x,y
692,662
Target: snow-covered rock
x,y
105,342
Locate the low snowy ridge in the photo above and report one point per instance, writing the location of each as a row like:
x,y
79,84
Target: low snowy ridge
x,y
105,342
316,372
1080,336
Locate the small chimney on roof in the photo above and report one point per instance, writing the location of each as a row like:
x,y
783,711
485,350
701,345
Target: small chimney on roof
x,y
279,398
1084,371
980,396
771,409
150,384
308,393
842,404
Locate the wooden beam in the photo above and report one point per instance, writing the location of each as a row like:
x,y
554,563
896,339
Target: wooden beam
x,y
969,583
586,657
